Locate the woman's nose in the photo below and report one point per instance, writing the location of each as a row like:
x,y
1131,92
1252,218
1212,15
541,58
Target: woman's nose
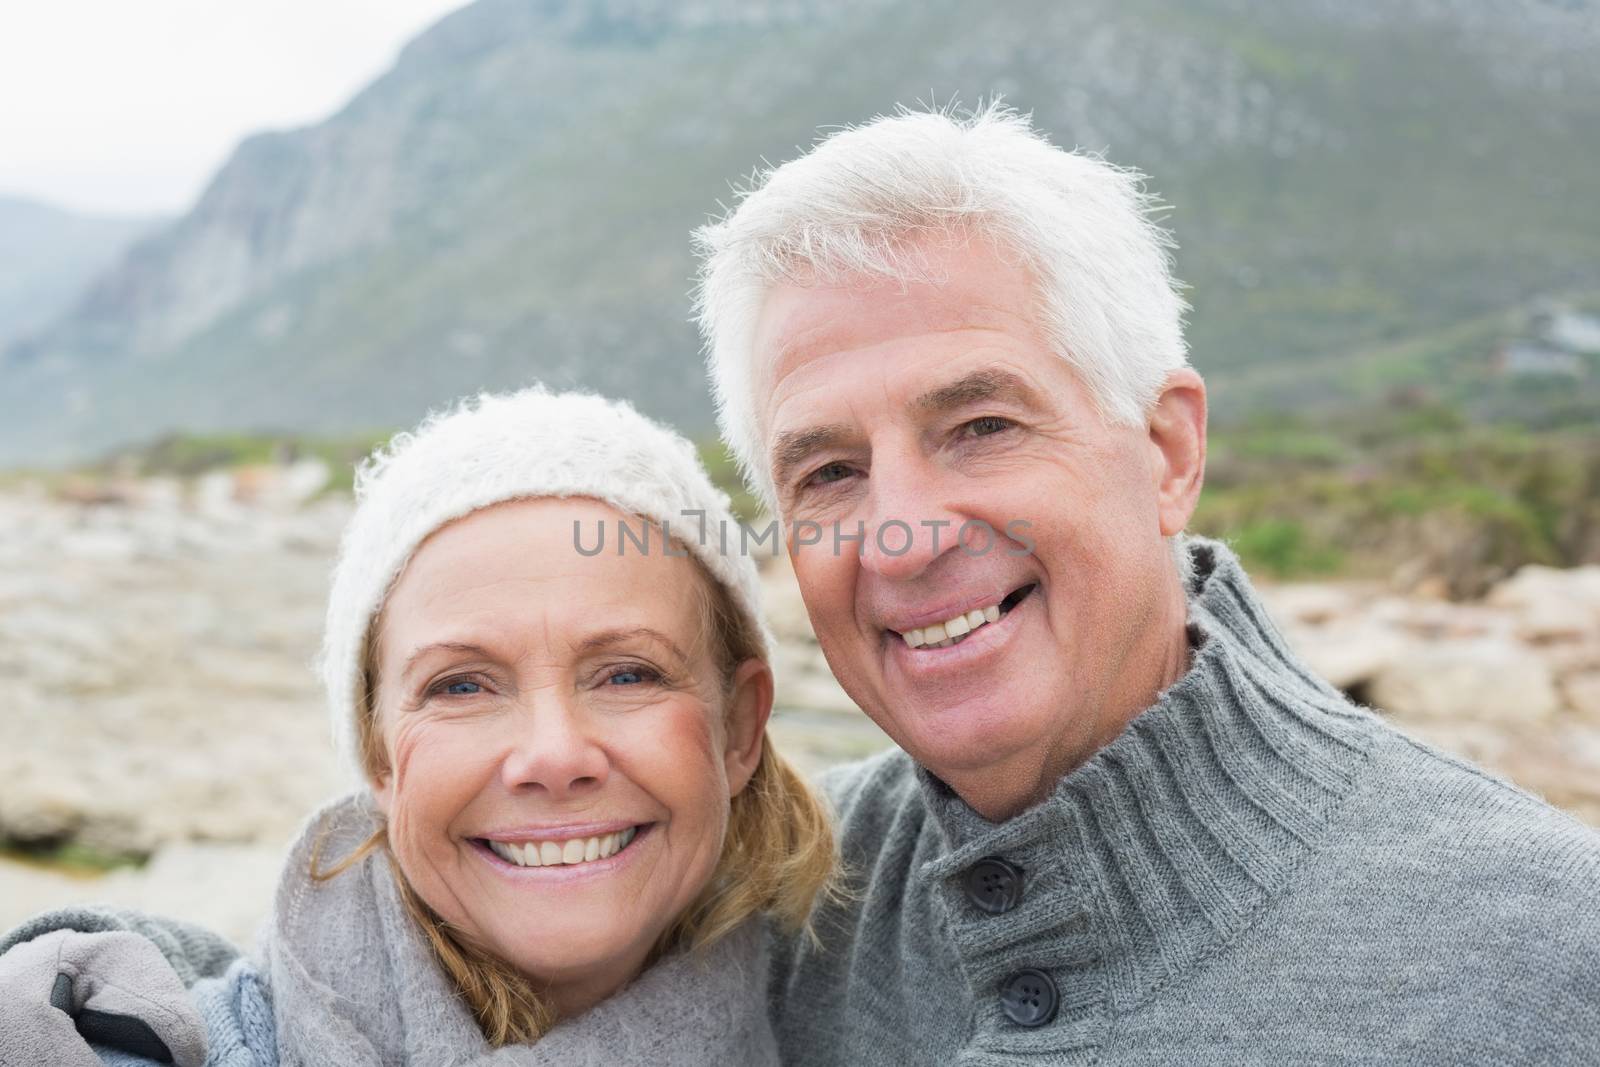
x,y
555,753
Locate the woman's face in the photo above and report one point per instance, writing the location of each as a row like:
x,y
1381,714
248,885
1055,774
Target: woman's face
x,y
536,702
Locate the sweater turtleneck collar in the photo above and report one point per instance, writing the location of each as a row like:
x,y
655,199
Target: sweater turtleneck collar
x,y
1168,842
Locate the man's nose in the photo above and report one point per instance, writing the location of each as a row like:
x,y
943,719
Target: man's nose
x,y
555,752
908,521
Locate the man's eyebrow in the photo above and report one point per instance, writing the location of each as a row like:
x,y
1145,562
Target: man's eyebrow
x,y
977,387
621,635
793,447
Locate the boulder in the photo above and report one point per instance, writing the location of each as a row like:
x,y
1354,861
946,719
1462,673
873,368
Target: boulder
x,y
1485,680
1550,604
1439,620
783,605
225,888
41,809
1309,603
1349,654
815,692
1582,693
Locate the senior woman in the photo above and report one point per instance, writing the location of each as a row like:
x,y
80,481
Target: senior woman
x,y
570,821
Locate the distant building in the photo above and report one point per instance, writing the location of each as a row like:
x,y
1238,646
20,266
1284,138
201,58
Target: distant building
x,y
1563,328
1557,342
1538,359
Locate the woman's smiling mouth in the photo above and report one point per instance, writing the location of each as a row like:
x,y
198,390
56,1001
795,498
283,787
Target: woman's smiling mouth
x,y
562,852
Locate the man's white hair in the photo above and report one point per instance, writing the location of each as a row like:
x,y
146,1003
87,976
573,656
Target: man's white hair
x,y
866,200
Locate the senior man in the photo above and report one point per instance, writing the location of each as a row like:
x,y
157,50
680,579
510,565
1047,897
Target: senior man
x,y
1126,824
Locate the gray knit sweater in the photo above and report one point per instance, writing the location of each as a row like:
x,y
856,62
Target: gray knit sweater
x,y
1255,872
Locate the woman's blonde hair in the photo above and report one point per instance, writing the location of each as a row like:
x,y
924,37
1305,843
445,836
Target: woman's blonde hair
x,y
778,858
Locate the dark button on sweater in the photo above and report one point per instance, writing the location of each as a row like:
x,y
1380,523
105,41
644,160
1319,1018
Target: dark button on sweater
x,y
1029,998
994,885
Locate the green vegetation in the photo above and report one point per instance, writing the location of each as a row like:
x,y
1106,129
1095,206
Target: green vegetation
x,y
70,857
186,455
724,472
189,455
1281,548
1415,492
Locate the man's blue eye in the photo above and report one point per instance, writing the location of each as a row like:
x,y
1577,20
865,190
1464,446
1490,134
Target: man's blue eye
x,y
988,424
463,688
626,678
831,472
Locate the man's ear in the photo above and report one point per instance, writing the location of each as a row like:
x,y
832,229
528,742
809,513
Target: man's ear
x,y
1178,436
749,708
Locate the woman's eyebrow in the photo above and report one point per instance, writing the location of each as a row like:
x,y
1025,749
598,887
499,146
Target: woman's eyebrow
x,y
441,646
604,639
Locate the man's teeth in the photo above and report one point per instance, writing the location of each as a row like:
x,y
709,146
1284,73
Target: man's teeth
x,y
944,634
559,853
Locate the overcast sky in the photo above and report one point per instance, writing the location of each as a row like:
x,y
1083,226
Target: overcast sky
x,y
128,106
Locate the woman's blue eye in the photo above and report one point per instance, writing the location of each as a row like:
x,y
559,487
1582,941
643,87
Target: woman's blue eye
x,y
463,688
632,676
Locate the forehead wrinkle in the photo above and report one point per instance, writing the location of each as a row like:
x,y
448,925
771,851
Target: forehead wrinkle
x,y
840,330
476,623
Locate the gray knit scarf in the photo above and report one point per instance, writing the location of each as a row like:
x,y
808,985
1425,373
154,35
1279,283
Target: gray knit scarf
x,y
354,983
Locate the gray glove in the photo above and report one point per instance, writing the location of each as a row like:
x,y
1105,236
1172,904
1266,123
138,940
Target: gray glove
x,y
64,990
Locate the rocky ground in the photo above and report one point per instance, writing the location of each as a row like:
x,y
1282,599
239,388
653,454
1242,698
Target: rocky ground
x,y
1511,681
156,639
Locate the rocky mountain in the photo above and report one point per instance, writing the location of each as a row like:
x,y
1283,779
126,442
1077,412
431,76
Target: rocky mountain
x,y
48,255
512,200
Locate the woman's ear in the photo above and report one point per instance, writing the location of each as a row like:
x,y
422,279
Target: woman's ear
x,y
749,708
375,762
380,775
382,787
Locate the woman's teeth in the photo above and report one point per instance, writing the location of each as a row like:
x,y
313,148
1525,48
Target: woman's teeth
x,y
559,853
952,630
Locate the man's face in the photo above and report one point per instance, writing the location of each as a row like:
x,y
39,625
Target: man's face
x,y
919,411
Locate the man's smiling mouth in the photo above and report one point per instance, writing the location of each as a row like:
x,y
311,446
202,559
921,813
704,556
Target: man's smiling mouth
x,y
957,628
